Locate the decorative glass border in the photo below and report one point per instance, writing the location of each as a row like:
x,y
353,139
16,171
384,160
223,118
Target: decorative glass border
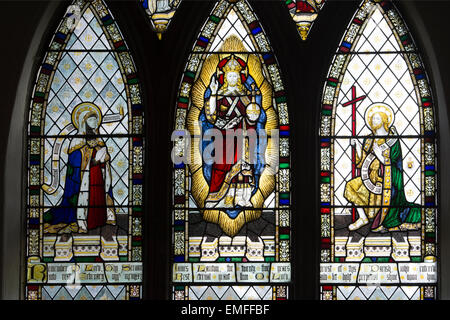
x,y
180,217
37,271
427,136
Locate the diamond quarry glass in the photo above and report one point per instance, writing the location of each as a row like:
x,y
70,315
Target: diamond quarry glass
x,y
231,219
378,167
85,164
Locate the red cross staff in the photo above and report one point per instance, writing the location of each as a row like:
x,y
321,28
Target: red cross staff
x,y
353,103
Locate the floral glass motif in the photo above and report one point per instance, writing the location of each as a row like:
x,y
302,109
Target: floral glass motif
x,y
231,233
378,169
160,13
85,164
304,13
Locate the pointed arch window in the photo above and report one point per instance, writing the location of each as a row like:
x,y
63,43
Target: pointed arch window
x,y
85,164
231,218
378,169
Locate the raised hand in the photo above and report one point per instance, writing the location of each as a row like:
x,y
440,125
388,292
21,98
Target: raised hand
x,y
214,85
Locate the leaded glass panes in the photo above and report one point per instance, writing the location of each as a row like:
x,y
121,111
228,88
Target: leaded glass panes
x,y
160,13
85,164
378,165
231,216
304,13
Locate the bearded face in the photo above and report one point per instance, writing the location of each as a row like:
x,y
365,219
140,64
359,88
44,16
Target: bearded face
x,y
232,83
379,120
232,78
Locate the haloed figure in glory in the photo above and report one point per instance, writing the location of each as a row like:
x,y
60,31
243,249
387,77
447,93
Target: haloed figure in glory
x,y
231,108
234,164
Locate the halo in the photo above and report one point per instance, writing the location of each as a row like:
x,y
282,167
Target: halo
x,y
379,107
83,108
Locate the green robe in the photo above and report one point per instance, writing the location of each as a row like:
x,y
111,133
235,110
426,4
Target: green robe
x,y
400,211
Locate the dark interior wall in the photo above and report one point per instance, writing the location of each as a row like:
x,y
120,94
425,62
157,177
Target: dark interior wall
x,y
17,22
160,63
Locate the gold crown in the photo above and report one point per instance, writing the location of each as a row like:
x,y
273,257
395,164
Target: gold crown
x,y
232,66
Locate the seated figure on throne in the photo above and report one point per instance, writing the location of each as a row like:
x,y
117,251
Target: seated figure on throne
x,y
378,192
232,104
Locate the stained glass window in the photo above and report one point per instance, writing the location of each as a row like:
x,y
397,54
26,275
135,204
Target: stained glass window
x,y
231,206
304,13
160,13
378,169
85,164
